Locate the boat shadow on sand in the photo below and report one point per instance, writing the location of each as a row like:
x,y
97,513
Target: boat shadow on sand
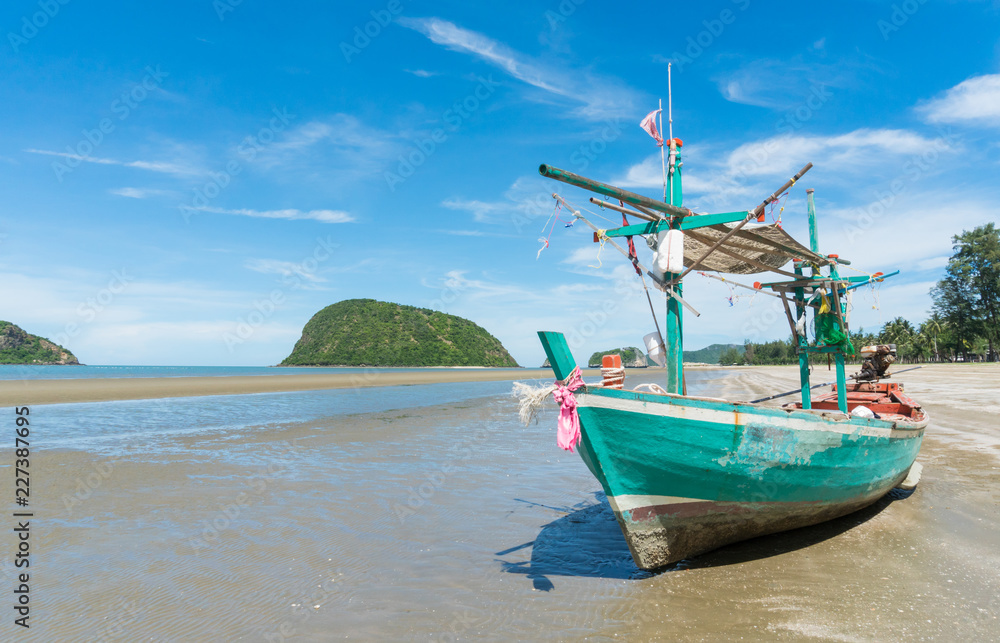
x,y
587,542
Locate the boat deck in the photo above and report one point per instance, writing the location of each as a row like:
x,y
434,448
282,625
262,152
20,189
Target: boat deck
x,y
886,399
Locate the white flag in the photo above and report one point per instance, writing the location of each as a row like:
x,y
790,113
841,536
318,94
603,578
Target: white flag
x,y
649,124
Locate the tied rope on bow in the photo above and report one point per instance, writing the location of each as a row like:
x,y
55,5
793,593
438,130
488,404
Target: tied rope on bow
x,y
568,434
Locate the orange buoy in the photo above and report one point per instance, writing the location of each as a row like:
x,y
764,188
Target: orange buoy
x,y
612,372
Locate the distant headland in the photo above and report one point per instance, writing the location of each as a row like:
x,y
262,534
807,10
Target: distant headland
x,y
20,347
366,332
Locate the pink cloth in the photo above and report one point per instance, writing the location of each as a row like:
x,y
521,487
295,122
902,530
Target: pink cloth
x,y
568,434
649,124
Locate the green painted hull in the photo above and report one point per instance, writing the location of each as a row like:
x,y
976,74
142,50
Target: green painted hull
x,y
687,475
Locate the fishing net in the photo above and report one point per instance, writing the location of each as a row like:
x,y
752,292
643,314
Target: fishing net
x,y
828,333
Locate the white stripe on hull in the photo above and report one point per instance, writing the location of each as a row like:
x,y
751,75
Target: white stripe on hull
x,y
831,423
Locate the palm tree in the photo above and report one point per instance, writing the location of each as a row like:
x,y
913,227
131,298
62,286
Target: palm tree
x,y
931,329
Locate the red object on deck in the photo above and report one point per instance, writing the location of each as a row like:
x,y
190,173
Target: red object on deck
x,y
611,361
882,398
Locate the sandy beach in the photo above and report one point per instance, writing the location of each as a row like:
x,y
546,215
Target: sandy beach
x,y
28,392
396,513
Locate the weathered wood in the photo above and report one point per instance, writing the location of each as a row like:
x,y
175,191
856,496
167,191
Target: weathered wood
x,y
811,210
711,220
631,213
788,314
557,350
636,200
635,229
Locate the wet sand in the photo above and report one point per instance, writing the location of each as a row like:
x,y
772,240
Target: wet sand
x,y
31,392
454,522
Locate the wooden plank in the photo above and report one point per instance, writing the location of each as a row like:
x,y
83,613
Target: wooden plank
x,y
788,314
557,350
841,383
632,213
706,220
632,230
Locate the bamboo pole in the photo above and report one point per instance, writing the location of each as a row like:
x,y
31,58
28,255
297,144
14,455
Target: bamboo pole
x,y
631,213
636,200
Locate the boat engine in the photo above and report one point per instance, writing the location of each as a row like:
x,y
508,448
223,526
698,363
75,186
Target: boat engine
x,y
877,360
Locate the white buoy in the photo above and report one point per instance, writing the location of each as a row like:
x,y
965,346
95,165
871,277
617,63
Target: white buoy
x,y
655,349
669,252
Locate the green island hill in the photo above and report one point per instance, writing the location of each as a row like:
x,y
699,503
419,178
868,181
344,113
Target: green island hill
x,y
20,347
631,356
366,332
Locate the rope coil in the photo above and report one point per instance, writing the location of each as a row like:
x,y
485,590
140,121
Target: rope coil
x,y
613,377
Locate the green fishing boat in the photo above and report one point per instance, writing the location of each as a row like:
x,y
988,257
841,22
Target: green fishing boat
x,y
686,474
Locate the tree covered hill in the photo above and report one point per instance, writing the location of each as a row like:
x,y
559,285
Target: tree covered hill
x,y
366,332
711,354
20,347
631,356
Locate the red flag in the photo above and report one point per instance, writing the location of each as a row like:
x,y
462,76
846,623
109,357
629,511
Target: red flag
x,y
649,124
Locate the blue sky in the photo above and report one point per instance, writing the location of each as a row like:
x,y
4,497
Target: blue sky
x,y
189,183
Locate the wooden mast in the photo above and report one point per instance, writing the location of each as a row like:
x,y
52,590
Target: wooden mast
x,y
675,318
800,309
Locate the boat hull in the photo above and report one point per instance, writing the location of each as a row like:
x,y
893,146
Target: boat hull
x,y
686,475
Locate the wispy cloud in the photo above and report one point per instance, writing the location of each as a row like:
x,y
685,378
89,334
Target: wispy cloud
x,y
283,268
340,148
475,233
139,193
527,199
482,211
324,216
601,97
973,101
784,84
152,166
747,171
422,73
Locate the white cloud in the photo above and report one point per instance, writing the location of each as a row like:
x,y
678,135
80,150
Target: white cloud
x,y
340,148
481,211
283,268
139,193
783,85
324,216
976,100
601,97
752,170
527,201
152,166
422,73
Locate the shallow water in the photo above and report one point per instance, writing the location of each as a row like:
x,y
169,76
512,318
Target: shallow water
x,y
428,512
51,372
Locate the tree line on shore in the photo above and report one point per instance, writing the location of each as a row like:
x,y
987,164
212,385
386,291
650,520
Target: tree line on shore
x,y
964,325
